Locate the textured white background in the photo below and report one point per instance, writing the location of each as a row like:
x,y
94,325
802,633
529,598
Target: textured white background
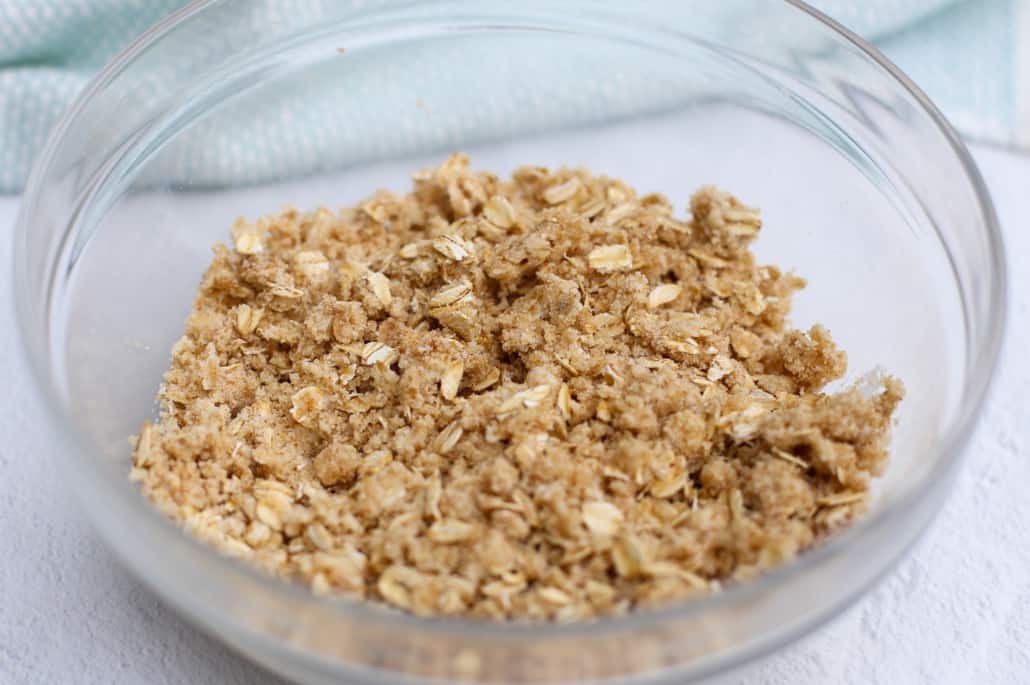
x,y
957,610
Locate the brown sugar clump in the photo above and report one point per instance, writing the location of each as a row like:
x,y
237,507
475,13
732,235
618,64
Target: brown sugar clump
x,y
541,398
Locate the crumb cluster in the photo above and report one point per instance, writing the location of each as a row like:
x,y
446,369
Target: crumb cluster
x,y
536,398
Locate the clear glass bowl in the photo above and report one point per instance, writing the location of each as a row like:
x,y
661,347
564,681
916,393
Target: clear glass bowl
x,y
236,107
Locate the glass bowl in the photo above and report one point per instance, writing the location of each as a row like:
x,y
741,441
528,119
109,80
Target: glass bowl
x,y
236,107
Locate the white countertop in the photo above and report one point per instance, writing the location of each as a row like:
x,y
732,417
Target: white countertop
x,y
957,610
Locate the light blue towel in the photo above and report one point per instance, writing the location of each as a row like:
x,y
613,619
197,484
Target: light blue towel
x,y
972,57
49,50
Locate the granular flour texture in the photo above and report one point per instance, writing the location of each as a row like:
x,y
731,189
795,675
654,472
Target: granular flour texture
x,y
536,398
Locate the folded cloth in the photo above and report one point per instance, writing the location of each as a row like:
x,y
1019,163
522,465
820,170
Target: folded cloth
x,y
965,53
972,57
49,50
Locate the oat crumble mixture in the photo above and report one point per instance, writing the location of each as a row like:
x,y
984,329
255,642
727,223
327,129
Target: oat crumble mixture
x,y
537,398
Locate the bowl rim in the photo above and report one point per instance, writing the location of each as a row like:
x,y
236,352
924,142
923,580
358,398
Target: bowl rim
x,y
978,379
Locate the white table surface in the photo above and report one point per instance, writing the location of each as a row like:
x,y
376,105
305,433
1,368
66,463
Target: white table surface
x,y
957,610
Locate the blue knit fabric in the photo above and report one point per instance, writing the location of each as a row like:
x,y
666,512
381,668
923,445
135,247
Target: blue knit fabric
x,y
50,49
